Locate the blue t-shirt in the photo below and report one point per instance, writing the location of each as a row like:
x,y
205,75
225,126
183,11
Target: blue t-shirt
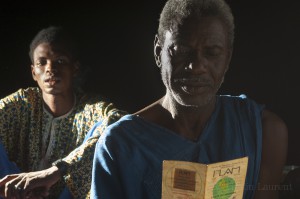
x,y
128,158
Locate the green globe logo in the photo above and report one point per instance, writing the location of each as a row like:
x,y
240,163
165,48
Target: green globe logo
x,y
224,188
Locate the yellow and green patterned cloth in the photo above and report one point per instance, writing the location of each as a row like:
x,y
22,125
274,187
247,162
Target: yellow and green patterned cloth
x,y
34,139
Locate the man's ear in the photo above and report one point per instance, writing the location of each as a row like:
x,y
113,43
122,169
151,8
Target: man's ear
x,y
33,72
229,58
157,51
76,68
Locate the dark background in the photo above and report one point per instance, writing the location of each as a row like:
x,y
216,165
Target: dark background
x,y
116,39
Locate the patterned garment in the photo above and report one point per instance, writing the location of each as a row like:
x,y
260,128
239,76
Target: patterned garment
x,y
31,135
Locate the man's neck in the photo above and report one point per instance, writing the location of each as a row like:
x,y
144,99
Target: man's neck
x,y
188,121
59,105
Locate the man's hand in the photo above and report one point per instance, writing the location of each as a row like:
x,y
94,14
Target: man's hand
x,y
29,185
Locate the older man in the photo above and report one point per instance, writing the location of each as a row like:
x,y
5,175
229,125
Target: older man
x,y
191,122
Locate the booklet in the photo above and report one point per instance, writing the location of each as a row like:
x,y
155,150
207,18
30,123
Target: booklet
x,y
189,180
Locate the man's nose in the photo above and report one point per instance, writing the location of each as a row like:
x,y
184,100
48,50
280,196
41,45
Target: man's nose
x,y
51,66
197,63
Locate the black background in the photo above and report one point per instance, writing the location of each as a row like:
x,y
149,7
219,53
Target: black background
x,y
116,39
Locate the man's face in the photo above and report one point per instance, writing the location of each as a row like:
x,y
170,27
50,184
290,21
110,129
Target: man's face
x,y
53,68
194,60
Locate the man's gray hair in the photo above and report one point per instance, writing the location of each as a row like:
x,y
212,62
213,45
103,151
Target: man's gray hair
x,y
176,11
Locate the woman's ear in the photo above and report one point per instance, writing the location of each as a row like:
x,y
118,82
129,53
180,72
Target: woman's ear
x,y
157,51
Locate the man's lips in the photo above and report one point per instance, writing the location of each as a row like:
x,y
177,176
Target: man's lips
x,y
52,80
194,85
194,82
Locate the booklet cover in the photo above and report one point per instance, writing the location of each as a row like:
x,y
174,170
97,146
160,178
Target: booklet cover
x,y
189,180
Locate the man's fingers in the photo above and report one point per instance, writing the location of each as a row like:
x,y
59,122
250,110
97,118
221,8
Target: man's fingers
x,y
9,189
11,186
20,185
7,178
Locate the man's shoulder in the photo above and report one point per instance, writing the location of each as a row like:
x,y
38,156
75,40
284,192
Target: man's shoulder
x,y
124,133
25,94
273,124
124,122
132,128
238,101
22,99
234,98
31,91
240,108
92,102
91,98
127,124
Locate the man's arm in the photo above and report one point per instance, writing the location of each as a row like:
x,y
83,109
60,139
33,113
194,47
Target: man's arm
x,y
274,152
106,180
10,114
79,161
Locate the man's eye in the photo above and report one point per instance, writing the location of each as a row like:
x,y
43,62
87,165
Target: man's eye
x,y
60,61
213,52
41,63
172,50
183,51
176,50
